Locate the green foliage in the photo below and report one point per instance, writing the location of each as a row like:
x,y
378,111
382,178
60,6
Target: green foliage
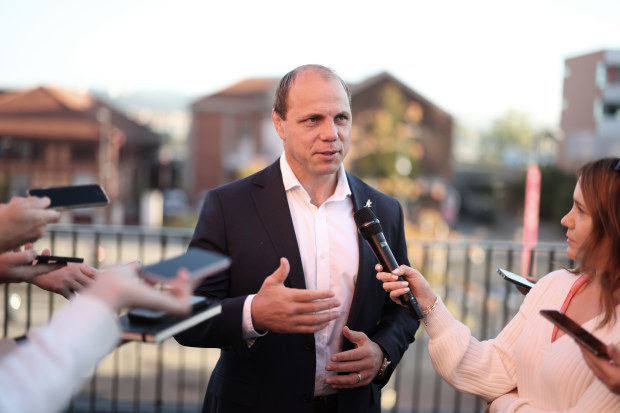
x,y
378,165
512,130
384,136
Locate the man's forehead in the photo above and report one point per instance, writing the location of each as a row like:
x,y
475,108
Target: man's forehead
x,y
317,89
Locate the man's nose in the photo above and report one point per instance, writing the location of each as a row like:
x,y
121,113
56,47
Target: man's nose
x,y
329,131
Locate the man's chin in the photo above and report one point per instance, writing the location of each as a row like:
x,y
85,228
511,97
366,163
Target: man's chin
x,y
328,169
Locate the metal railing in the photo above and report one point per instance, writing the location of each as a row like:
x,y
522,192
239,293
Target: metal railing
x,y
167,377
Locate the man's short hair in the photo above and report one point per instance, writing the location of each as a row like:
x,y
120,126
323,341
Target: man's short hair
x,y
280,104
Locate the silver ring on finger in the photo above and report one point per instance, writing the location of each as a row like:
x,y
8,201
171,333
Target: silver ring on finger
x,y
359,377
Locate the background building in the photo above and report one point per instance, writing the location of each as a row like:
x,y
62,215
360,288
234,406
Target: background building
x,y
232,133
54,137
591,109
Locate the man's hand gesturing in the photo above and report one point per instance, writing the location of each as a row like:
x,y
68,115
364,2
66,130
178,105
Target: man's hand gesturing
x,y
281,309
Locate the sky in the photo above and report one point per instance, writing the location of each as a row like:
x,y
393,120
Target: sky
x,y
475,59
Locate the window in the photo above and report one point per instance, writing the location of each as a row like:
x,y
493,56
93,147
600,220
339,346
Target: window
x,y
83,152
20,149
611,111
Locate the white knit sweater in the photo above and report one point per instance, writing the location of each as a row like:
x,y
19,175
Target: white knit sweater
x,y
42,374
549,377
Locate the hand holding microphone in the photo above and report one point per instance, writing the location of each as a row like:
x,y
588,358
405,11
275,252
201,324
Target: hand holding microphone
x,y
369,227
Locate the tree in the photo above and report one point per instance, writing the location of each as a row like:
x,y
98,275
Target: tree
x,y
511,132
384,146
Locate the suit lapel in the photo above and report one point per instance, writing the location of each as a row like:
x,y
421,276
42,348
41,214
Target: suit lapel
x,y
272,207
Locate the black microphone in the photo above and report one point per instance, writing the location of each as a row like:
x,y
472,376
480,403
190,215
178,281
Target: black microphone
x,y
369,227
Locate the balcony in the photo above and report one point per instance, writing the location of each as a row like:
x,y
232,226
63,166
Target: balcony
x,y
611,94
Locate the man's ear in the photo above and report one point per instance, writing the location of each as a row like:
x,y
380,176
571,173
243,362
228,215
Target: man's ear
x,y
278,123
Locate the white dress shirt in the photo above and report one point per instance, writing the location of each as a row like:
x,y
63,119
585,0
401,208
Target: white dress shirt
x,y
327,240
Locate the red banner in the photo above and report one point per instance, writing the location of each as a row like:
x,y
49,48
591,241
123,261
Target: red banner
x,y
530,218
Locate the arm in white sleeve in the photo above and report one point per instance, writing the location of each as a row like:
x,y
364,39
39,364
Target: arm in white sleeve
x,y
484,368
44,372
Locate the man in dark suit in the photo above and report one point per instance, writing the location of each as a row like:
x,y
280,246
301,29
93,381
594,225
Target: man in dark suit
x,y
319,334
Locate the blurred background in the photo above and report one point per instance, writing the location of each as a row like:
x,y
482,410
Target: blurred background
x,y
453,103
160,101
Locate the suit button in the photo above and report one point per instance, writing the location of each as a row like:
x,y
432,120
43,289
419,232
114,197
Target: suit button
x,y
310,345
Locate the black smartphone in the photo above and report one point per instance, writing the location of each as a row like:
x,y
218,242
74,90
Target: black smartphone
x,y
73,197
581,336
199,262
515,278
45,259
141,315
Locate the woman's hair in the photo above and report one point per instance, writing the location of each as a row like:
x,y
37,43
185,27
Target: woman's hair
x,y
600,186
280,104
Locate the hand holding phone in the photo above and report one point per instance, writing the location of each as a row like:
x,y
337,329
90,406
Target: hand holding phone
x,y
583,337
73,197
516,279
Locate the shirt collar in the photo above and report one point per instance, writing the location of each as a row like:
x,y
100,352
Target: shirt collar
x,y
291,182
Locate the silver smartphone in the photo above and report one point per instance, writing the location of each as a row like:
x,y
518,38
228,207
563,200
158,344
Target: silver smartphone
x,y
199,262
141,315
73,197
515,278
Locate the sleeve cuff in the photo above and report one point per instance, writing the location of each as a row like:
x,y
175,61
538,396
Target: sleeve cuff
x,y
249,333
438,321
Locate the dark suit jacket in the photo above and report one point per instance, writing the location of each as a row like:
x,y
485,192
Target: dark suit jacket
x,y
249,220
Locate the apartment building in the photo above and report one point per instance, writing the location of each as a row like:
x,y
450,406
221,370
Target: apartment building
x,y
55,137
590,118
232,133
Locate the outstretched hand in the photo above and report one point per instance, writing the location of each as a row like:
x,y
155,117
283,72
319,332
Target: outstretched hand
x,y
67,280
17,266
120,287
23,220
280,309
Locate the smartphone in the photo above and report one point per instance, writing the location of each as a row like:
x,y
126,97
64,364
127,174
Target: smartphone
x,y
515,278
73,197
142,315
581,336
44,259
199,262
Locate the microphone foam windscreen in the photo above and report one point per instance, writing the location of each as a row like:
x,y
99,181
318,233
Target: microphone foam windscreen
x,y
364,216
366,221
